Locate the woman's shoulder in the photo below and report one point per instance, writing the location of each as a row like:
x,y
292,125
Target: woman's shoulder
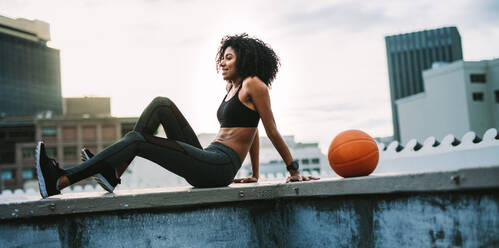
x,y
254,82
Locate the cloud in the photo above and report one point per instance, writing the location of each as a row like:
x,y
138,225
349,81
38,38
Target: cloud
x,y
349,16
372,123
484,13
357,16
328,108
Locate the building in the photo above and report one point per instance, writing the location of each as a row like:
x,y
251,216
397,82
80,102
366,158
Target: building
x,y
459,97
12,132
64,136
87,106
411,53
30,77
312,161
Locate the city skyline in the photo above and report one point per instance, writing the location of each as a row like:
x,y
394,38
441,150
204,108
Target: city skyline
x,y
334,69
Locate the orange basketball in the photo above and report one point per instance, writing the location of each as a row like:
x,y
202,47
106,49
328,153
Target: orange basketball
x,y
353,153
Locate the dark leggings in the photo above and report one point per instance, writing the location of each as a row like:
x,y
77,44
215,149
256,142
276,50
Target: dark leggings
x,y
181,153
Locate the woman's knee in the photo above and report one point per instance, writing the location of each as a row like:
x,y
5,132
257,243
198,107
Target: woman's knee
x,y
133,136
161,100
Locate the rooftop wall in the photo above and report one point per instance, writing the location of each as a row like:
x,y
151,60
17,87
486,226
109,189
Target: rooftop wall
x,y
443,209
449,153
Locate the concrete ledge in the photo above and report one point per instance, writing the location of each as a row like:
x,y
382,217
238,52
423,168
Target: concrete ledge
x,y
460,180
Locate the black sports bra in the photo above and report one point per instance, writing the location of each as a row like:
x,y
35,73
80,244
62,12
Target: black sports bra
x,y
234,113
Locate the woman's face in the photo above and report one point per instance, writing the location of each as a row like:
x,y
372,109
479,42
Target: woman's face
x,y
228,65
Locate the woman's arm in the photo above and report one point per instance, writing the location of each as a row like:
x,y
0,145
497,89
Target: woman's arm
x,y
255,161
260,97
254,156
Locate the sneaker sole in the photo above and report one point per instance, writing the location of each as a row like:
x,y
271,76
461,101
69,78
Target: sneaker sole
x,y
41,180
101,180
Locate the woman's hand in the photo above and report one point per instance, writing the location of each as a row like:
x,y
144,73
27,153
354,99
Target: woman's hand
x,y
246,180
296,177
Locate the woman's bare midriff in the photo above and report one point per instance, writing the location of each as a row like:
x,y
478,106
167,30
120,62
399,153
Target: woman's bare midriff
x,y
237,138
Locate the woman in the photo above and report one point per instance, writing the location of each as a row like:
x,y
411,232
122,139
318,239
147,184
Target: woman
x,y
248,66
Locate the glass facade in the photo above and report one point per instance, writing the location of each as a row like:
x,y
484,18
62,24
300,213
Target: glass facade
x,y
27,153
49,131
30,78
7,174
51,151
12,133
409,54
70,153
27,173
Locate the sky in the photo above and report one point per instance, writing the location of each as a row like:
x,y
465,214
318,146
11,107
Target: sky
x,y
333,75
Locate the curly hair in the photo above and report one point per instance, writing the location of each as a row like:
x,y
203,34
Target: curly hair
x,y
253,57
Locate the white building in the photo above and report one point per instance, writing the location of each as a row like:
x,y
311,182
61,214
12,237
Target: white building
x,y
312,161
458,98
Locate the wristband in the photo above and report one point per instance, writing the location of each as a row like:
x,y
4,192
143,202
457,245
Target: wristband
x,y
293,166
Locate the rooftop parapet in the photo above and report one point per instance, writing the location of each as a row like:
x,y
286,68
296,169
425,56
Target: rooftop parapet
x,y
437,209
450,153
34,206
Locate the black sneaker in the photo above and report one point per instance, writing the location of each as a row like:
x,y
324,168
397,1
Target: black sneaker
x,y
48,172
108,178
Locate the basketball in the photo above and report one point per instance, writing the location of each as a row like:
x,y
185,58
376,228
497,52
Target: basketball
x,y
353,153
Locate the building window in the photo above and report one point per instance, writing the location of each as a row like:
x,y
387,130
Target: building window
x,y
478,96
109,132
69,133
27,173
7,174
497,96
89,133
70,153
49,131
477,78
315,161
305,161
51,151
27,153
92,149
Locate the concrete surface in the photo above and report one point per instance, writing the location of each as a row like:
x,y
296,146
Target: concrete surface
x,y
447,209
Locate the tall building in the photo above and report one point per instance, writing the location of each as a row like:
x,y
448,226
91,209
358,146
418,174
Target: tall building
x,y
30,77
411,53
472,104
